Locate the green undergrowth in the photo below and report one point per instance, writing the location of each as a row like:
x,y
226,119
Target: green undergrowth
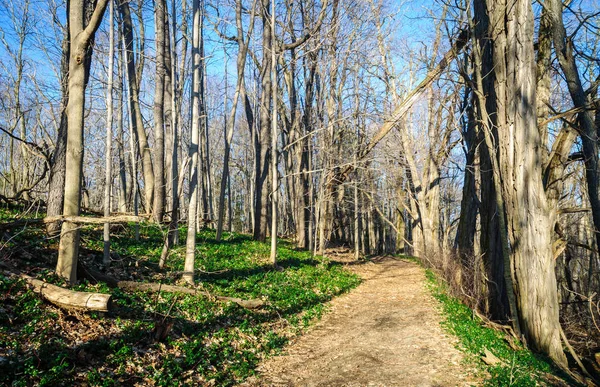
x,y
517,367
160,339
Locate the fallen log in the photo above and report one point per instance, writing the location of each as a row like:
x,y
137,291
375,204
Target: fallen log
x,y
157,287
73,219
69,299
90,220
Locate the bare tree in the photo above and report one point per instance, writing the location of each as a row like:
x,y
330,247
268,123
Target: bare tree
x,y
109,134
243,42
159,111
197,88
81,36
587,128
134,82
518,176
274,135
174,173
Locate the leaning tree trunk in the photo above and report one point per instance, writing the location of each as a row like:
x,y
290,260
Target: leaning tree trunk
x,y
81,39
528,223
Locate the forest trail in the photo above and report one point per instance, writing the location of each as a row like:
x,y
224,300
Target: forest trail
x,y
386,332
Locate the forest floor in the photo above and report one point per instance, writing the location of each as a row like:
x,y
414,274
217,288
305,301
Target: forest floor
x,y
385,321
386,332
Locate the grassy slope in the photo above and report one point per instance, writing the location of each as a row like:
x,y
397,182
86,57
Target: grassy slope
x,y
209,343
518,367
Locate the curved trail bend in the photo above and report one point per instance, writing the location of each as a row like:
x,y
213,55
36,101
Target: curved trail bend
x,y
386,332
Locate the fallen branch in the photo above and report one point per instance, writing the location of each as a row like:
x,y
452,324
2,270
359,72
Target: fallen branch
x,y
574,354
73,219
507,329
69,299
19,223
157,287
99,220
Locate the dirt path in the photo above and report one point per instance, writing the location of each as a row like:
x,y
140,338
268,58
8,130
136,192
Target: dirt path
x,y
386,332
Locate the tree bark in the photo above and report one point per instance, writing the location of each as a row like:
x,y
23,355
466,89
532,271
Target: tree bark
x,y
197,36
109,125
490,244
135,112
56,181
586,126
528,224
467,223
69,299
132,148
159,111
81,40
274,135
123,187
262,143
174,172
243,42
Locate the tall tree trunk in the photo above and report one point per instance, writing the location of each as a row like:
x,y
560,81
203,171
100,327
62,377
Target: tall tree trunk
x,y
132,148
528,224
169,97
81,38
274,135
585,119
225,176
174,173
490,245
56,181
123,187
356,216
262,143
159,111
243,42
109,125
197,88
207,213
467,223
303,229
134,81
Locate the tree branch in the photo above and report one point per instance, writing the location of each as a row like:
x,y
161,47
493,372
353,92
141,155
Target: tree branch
x,y
305,37
94,22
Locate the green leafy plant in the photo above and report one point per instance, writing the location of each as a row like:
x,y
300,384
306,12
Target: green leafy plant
x,y
206,341
519,367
